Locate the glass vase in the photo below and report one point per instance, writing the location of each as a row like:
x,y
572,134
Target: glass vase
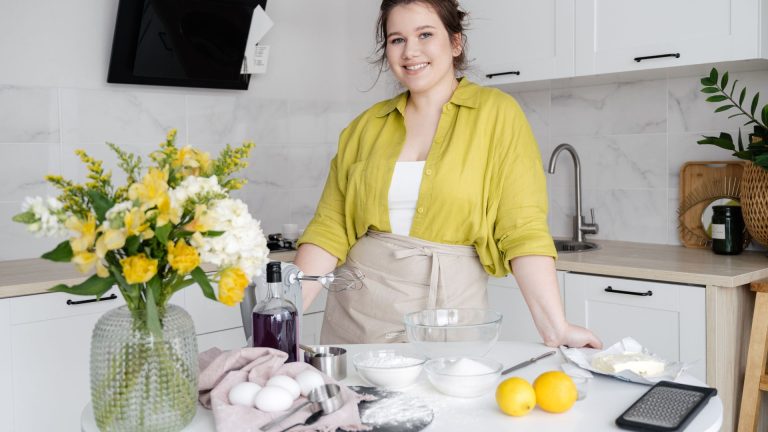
x,y
140,383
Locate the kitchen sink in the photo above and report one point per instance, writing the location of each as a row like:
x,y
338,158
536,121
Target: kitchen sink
x,y
567,246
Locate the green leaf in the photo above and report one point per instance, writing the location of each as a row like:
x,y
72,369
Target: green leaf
x,y
713,75
741,142
764,115
743,155
153,319
162,233
199,276
724,141
724,80
26,218
213,233
132,245
742,96
754,103
61,253
93,286
710,90
736,115
716,98
707,82
733,87
724,108
100,204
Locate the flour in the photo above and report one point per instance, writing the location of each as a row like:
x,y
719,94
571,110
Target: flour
x,y
407,412
389,361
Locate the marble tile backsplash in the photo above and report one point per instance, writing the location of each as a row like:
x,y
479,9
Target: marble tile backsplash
x,y
632,139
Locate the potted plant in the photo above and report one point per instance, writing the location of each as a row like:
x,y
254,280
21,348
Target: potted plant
x,y
754,183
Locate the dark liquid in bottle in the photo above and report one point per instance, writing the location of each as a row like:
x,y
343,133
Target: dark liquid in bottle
x,y
276,331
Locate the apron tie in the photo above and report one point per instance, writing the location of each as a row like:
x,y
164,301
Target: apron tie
x,y
435,271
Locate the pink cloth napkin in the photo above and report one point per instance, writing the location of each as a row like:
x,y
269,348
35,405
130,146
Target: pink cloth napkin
x,y
220,371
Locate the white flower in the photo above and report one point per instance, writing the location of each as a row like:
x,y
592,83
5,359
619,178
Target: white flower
x,y
47,216
115,215
242,244
196,189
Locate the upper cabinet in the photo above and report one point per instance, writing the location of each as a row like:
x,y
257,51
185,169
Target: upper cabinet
x,y
529,40
626,35
519,40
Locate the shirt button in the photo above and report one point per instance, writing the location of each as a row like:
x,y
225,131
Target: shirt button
x,y
428,172
420,210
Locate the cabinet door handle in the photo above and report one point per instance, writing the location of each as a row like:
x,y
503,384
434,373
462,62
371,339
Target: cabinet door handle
x,y
491,75
77,302
611,290
639,59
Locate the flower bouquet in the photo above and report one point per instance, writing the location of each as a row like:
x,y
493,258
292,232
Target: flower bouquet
x,y
149,238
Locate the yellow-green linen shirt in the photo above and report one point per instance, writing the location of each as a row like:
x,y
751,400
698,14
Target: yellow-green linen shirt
x,y
483,182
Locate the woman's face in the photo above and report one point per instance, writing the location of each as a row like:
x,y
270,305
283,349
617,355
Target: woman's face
x,y
419,50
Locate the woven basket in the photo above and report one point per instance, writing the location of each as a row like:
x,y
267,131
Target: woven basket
x,y
754,202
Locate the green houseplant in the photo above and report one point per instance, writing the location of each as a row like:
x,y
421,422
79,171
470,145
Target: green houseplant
x,y
754,182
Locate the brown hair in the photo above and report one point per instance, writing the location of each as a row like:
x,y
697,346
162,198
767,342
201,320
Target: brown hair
x,y
450,14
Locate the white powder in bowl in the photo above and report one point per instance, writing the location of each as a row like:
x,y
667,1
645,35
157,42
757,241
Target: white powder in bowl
x,y
389,361
389,369
466,367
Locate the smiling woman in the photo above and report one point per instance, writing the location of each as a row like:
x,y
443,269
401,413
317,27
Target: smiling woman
x,y
479,207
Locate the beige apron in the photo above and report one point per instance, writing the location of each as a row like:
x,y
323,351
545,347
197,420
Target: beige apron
x,y
402,274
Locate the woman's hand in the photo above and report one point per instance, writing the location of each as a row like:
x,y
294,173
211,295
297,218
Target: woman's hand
x,y
576,337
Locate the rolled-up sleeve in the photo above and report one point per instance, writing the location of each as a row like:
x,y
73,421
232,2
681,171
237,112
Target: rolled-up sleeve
x,y
521,224
328,228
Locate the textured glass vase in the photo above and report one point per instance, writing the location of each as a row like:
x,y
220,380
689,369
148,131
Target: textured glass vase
x,y
139,383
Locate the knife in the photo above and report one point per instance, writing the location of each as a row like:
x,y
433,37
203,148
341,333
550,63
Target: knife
x,y
527,362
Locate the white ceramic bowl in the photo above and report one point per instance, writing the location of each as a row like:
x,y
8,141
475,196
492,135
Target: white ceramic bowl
x,y
466,383
392,369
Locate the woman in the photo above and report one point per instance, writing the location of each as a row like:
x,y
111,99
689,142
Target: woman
x,y
431,191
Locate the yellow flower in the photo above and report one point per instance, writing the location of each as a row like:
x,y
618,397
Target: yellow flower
x,y
166,212
87,231
135,222
151,189
232,286
101,271
182,257
201,222
192,162
84,260
110,239
138,268
171,135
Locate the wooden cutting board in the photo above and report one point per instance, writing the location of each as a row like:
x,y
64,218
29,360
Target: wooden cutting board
x,y
700,184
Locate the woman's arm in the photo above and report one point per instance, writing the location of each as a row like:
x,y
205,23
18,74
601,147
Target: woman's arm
x,y
313,260
537,278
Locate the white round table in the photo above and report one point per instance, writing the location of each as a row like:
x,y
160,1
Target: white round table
x,y
606,399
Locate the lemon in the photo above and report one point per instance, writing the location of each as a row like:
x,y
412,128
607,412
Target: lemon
x,y
515,397
555,391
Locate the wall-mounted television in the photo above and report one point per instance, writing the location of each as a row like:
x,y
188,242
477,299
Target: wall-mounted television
x,y
189,43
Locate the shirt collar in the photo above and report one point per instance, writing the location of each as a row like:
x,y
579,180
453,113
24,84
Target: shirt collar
x,y
465,95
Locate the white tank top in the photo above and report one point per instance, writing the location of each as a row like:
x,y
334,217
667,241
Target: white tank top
x,y
403,194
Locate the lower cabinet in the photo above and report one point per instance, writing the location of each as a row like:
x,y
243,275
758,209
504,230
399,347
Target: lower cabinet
x,y
668,319
6,373
504,296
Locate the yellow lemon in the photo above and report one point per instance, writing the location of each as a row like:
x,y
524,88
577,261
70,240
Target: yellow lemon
x,y
515,397
555,391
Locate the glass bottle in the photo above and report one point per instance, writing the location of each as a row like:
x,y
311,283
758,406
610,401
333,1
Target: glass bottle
x,y
727,230
275,320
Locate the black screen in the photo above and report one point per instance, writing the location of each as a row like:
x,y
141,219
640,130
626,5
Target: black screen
x,y
192,43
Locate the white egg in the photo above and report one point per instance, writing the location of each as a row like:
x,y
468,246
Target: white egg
x,y
287,383
273,399
309,380
244,393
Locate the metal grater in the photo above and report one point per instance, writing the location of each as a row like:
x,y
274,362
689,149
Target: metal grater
x,y
664,406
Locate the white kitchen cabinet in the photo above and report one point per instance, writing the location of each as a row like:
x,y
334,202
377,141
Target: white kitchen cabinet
x,y
504,296
6,373
520,40
611,34
210,315
309,328
223,340
668,319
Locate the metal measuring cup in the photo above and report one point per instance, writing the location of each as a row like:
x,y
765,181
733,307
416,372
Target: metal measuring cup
x,y
330,360
326,398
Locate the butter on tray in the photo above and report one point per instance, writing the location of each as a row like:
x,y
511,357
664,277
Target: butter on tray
x,y
638,362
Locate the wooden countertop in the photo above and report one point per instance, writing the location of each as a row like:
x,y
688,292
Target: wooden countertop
x,y
666,263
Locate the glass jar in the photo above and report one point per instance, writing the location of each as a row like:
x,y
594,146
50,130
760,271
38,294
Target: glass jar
x,y
727,230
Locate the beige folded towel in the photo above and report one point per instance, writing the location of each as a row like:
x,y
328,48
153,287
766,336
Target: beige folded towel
x,y
220,371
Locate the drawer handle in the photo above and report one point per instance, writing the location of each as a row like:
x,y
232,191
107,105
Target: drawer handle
x,y
639,59
77,302
491,75
611,290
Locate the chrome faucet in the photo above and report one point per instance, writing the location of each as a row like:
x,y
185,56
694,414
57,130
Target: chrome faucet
x,y
580,226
